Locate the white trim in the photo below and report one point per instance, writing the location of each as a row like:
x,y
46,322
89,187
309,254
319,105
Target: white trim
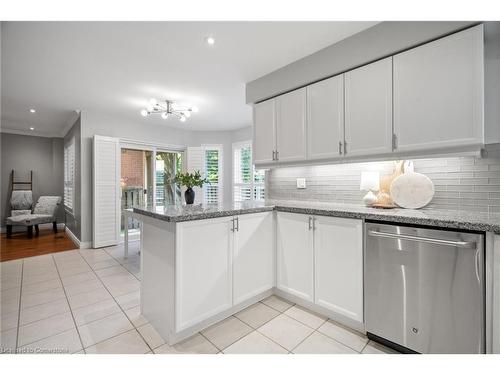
x,y
149,146
33,133
16,228
79,244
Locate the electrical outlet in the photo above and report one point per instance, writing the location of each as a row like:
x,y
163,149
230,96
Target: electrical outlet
x,y
301,183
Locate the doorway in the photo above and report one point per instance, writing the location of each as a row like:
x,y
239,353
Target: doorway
x,y
147,179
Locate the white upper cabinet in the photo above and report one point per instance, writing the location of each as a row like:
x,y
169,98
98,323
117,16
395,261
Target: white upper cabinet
x,y
264,132
291,126
253,255
325,119
295,255
438,93
368,109
338,257
428,98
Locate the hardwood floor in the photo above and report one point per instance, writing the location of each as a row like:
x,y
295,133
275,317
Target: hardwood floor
x,y
19,246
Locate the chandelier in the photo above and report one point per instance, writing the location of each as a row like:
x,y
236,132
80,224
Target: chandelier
x,y
168,108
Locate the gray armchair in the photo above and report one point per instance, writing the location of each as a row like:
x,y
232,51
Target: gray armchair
x,y
45,211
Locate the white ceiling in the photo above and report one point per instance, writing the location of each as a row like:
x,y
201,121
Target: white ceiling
x,y
116,67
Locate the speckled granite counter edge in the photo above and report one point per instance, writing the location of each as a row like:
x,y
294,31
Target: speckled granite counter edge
x,y
386,217
437,222
202,215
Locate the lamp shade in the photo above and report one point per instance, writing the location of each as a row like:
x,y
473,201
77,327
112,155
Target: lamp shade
x,y
370,181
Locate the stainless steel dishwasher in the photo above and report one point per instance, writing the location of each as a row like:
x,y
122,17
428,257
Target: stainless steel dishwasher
x,y
424,288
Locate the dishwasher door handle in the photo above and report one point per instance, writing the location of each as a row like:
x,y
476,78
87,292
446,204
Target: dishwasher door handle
x,y
437,241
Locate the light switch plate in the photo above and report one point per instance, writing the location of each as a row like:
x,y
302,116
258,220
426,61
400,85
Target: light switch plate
x,y
301,183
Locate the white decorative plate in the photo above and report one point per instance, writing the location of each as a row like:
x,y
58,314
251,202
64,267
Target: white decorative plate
x,y
412,190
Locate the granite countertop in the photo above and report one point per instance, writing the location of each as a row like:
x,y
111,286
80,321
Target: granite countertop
x,y
179,213
438,218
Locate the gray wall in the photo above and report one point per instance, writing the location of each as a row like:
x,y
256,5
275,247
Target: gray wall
x,y
74,218
377,42
461,183
45,156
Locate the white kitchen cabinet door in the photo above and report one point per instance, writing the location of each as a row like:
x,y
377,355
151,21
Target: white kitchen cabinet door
x,y
295,255
325,119
253,255
203,282
368,109
338,258
291,126
438,93
264,132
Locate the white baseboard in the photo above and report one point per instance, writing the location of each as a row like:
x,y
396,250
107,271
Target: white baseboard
x,y
21,228
79,244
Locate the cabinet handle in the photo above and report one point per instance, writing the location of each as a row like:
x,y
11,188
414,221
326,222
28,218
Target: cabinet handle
x,y
345,147
314,223
394,141
340,148
237,224
273,156
277,155
232,221
310,223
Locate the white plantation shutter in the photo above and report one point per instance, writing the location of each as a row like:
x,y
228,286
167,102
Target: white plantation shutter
x,y
69,174
195,163
212,159
248,183
106,191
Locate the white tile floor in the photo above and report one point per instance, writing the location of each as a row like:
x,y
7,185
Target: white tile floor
x,y
87,301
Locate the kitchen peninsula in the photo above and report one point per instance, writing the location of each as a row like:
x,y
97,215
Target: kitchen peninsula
x,y
200,263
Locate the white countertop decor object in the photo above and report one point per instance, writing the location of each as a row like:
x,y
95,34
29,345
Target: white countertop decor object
x,y
412,190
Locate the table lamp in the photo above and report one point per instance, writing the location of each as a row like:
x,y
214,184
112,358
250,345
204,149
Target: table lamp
x,y
370,181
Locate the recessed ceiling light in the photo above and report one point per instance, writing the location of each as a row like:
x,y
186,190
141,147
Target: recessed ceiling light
x,y
210,40
32,128
32,110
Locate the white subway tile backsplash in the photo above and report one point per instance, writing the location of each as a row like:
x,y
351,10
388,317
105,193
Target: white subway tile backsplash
x,y
460,182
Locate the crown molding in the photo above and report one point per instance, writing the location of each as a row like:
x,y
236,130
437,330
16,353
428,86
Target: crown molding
x,y
32,133
70,122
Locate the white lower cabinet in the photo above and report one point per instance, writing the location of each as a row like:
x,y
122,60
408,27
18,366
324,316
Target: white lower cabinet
x,y
320,259
253,255
220,263
295,255
223,262
203,277
338,265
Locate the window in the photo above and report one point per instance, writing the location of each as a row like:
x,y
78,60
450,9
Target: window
x,y
248,182
212,166
69,174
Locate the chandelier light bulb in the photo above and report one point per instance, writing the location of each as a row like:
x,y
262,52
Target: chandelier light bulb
x,y
210,40
168,108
